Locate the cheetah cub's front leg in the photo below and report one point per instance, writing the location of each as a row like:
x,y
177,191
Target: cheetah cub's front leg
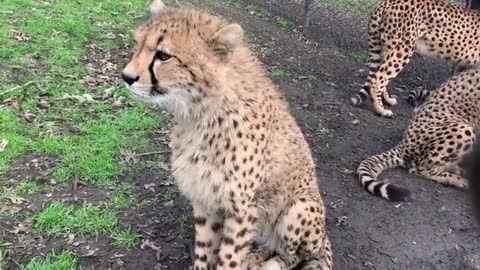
x,y
237,236
208,233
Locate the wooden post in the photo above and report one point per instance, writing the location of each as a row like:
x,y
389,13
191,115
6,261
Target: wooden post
x,y
308,11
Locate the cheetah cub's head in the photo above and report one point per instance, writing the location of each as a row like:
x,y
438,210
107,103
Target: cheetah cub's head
x,y
181,57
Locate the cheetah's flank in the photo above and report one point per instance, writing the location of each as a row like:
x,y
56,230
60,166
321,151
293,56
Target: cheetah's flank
x,y
237,153
440,134
433,27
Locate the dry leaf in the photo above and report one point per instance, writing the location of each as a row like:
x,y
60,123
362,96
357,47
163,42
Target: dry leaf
x,y
29,117
129,156
17,199
19,229
149,187
20,36
3,145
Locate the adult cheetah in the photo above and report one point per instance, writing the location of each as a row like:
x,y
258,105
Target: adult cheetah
x,y
434,28
440,134
237,152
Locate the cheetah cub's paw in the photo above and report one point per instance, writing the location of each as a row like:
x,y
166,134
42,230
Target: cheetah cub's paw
x,y
271,265
386,113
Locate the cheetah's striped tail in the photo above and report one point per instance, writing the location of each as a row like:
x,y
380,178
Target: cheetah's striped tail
x,y
418,96
372,167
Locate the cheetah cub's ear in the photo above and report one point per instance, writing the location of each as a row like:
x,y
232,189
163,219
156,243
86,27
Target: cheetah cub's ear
x,y
227,39
157,7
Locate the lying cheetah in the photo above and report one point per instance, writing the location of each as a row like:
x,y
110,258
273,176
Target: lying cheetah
x,y
433,27
441,132
237,153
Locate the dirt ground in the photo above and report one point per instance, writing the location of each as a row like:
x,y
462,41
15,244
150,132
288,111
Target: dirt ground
x,y
434,231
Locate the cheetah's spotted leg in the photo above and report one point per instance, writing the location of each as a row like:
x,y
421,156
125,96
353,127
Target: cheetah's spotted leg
x,y
281,262
393,62
208,232
322,260
443,177
256,257
442,165
237,235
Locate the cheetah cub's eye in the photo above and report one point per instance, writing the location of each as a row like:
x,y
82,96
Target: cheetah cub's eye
x,y
162,56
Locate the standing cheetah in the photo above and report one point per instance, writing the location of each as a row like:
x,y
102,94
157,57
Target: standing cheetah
x,y
237,153
433,27
440,134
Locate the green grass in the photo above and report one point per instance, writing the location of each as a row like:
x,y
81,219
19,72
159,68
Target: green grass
x,y
259,11
64,261
237,3
124,197
4,254
27,187
86,136
181,222
279,73
61,219
284,23
126,238
361,57
169,194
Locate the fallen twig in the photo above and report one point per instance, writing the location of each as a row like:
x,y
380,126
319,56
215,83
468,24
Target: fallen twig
x,y
16,88
151,153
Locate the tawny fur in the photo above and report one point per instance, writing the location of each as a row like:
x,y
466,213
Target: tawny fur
x,y
435,28
237,153
440,134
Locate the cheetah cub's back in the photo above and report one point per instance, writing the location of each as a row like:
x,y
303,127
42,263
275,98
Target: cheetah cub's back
x,y
237,152
440,134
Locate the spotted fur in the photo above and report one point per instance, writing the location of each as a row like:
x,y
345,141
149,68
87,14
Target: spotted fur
x,y
440,134
237,152
433,28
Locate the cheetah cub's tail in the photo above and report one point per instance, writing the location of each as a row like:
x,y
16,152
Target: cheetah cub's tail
x,y
372,167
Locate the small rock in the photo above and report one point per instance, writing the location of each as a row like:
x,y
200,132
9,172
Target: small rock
x,y
471,262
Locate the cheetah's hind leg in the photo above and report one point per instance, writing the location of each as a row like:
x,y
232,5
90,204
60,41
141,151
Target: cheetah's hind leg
x,y
442,164
256,257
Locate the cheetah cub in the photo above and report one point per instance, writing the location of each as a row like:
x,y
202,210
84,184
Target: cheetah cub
x,y
434,28
440,134
237,152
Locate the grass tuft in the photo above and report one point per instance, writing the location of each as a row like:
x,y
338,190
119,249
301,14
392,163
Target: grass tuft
x,y
126,238
259,11
284,23
279,73
64,261
59,218
361,57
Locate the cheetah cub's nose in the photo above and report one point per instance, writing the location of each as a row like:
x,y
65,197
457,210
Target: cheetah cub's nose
x,y
129,79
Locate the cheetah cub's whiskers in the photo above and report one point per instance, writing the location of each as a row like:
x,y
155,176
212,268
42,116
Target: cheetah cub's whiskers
x,y
434,28
440,134
237,152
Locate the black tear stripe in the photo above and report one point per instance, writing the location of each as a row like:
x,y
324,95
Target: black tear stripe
x,y
154,89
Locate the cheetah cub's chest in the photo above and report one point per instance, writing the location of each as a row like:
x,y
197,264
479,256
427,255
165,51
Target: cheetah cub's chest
x,y
199,177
